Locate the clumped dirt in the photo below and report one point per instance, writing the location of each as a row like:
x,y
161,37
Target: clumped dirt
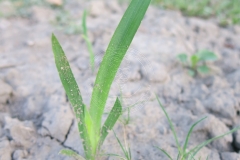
x,y
36,119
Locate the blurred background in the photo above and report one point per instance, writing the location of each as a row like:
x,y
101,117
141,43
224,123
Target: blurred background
x,y
186,52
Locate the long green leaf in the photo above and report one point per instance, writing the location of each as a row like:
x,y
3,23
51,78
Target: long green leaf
x,y
71,153
71,88
116,50
111,120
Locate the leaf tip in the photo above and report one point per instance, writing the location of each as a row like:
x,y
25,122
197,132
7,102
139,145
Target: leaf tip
x,y
53,37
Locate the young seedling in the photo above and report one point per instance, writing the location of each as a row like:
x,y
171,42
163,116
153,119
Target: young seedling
x,y
85,37
90,127
183,154
197,62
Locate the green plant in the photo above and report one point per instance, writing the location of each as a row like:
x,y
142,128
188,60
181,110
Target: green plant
x,y
227,12
89,120
197,62
126,149
85,36
183,154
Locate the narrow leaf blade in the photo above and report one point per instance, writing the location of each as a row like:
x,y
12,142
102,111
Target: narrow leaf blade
x,y
90,50
85,37
84,25
119,142
165,153
111,120
171,125
116,50
195,150
189,134
71,88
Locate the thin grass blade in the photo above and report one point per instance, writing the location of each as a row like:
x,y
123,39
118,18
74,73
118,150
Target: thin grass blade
x,y
116,50
71,88
164,152
171,125
84,24
129,153
189,134
119,142
111,120
179,155
85,37
71,153
199,147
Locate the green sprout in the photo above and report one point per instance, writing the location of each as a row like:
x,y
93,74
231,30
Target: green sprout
x,y
90,127
197,62
85,37
183,154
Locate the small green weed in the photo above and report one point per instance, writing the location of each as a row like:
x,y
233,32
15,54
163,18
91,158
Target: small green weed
x,y
90,127
183,154
197,62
